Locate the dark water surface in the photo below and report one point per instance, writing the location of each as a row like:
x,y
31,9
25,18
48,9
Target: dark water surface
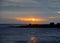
x,y
22,35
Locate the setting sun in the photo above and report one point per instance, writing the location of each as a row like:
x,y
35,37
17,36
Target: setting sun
x,y
33,19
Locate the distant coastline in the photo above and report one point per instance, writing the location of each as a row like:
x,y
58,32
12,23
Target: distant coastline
x,y
51,25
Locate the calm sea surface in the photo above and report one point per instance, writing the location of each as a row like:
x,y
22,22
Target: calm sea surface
x,y
16,35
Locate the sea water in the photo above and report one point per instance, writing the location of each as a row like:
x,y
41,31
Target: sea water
x,y
23,35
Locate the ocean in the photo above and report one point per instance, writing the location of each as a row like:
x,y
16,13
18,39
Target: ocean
x,y
23,35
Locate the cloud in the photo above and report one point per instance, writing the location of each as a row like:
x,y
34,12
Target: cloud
x,y
53,17
23,1
15,0
50,4
58,12
45,6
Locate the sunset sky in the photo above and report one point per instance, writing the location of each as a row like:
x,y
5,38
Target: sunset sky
x,y
41,11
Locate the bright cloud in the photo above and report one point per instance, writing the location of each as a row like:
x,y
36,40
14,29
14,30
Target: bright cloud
x,y
58,12
53,17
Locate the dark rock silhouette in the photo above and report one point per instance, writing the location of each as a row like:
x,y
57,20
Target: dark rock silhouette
x,y
58,25
51,25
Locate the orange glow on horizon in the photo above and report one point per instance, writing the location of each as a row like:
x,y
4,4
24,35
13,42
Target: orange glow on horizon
x,y
31,20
